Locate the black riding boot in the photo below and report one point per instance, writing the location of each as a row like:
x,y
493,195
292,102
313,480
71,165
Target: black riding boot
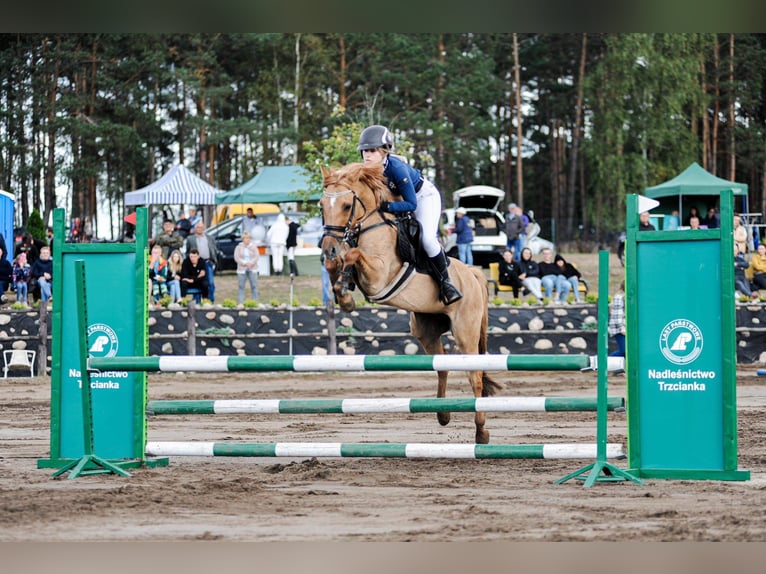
x,y
448,292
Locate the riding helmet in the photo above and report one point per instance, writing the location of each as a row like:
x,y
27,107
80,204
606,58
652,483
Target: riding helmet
x,y
373,137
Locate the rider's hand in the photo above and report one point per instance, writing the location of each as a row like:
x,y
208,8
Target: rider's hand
x,y
384,205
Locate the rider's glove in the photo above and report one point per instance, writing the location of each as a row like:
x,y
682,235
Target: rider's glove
x,y
384,205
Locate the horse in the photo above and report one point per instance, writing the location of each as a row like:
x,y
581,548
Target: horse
x,y
359,247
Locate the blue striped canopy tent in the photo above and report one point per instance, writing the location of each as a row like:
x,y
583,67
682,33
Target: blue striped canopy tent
x,y
177,186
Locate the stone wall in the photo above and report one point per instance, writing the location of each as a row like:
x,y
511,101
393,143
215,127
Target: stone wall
x,y
370,330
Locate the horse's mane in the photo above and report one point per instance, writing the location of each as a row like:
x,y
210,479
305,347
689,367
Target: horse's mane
x,y
371,176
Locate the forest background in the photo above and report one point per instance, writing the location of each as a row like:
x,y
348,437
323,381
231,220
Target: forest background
x,y
567,124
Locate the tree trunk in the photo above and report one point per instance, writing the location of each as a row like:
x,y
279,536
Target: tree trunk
x,y
576,136
716,106
519,130
732,104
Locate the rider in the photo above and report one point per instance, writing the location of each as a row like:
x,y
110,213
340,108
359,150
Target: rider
x,y
417,194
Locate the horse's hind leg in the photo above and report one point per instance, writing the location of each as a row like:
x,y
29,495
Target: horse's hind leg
x,y
429,333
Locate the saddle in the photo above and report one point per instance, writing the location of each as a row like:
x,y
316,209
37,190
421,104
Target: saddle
x,y
408,242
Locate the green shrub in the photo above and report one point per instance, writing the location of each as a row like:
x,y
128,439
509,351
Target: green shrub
x,y
229,303
250,303
532,300
497,300
517,302
591,298
275,302
18,306
315,302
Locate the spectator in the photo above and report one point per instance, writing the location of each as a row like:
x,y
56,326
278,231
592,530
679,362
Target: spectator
x,y
204,243
514,225
169,239
249,222
327,295
194,217
509,273
616,325
246,256
525,220
276,237
572,275
49,236
694,222
29,247
529,273
552,278
291,244
643,222
740,234
672,221
6,274
21,274
175,263
693,212
42,274
712,221
464,234
756,271
741,282
3,246
183,225
194,274
158,274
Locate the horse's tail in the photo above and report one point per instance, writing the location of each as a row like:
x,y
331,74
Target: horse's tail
x,y
489,386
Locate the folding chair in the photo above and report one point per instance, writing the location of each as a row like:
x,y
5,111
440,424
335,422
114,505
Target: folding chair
x,y
19,359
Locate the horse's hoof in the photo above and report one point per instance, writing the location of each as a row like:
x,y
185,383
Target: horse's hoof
x,y
482,437
443,418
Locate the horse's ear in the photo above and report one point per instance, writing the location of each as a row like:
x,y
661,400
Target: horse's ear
x,y
325,173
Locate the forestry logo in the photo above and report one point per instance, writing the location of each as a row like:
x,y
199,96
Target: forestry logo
x,y
102,341
681,341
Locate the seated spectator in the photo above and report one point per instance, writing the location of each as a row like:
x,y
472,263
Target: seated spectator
x,y
158,274
21,273
741,282
175,263
693,212
712,220
6,274
193,274
552,278
529,273
643,222
42,275
672,221
694,222
509,273
572,275
756,271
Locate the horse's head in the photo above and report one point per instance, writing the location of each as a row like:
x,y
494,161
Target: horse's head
x,y
351,194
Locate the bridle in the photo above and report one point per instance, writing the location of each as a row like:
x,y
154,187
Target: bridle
x,y
350,233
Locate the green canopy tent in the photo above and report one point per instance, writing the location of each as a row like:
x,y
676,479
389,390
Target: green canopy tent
x,y
695,187
273,184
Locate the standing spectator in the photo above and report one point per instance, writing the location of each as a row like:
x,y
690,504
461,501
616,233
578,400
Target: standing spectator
x,y
740,234
249,222
49,235
28,246
194,274
464,234
6,274
572,275
525,221
194,217
246,256
693,212
175,263
616,325
711,220
204,243
291,244
4,247
529,273
741,282
643,222
42,274
21,274
183,225
276,237
552,278
514,225
169,239
509,273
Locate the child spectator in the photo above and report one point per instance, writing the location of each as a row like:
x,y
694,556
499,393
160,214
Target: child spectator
x,y
616,325
21,273
158,274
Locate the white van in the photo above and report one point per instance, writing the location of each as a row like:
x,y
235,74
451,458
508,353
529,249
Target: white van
x,y
482,204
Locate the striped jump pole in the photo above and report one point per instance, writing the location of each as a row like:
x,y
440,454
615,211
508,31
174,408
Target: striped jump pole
x,y
384,450
761,372
296,363
360,406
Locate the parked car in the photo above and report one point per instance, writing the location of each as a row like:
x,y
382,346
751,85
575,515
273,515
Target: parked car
x,y
228,234
482,203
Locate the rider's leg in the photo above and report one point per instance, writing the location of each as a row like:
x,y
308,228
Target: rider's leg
x,y
427,213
